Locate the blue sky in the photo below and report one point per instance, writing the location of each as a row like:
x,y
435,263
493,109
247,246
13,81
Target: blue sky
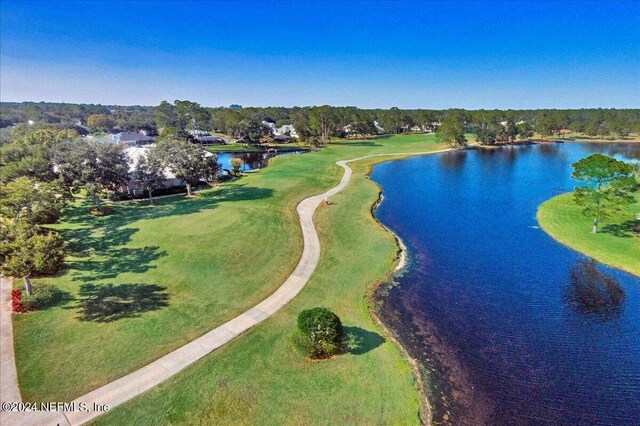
x,y
425,54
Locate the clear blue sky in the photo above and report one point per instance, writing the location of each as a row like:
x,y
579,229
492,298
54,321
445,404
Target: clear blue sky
x,y
425,54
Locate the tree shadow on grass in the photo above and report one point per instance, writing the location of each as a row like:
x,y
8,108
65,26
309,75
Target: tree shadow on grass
x,y
359,341
115,261
627,229
109,302
358,143
99,243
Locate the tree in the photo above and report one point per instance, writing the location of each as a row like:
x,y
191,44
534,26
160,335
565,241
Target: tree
x,y
252,131
31,201
107,167
611,182
392,120
322,123
451,131
549,125
68,158
100,122
149,171
525,131
166,115
25,252
188,162
94,166
236,164
362,128
319,333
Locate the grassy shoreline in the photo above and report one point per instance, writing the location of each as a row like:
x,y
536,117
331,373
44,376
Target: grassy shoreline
x,y
615,244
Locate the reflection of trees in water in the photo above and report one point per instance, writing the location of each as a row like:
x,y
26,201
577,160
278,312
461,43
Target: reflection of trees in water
x,y
254,160
592,292
627,150
549,149
453,160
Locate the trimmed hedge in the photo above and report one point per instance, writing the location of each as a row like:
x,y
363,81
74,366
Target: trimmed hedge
x,y
319,333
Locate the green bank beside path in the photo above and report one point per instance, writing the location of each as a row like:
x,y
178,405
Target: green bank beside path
x,y
616,244
205,260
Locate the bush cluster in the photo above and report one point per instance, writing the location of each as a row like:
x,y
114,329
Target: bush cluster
x,y
44,295
319,333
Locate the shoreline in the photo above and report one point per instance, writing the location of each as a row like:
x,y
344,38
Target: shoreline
x,y
375,301
545,227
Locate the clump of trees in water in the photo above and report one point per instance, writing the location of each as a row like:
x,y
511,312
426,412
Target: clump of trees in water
x,y
611,184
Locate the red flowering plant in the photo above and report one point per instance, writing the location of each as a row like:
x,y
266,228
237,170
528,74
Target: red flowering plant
x,y
16,301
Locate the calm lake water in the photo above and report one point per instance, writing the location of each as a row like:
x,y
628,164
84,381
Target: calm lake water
x,y
252,160
507,323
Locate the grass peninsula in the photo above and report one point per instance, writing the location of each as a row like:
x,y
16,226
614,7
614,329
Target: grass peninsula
x,y
617,244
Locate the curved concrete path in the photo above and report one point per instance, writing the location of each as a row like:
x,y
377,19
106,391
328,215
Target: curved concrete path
x,y
125,388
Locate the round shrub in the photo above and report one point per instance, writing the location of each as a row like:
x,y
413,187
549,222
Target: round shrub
x,y
319,333
44,295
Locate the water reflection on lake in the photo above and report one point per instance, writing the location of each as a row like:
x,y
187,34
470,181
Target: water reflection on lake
x,y
251,160
511,327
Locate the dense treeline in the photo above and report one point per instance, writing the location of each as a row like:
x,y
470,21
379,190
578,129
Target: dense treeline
x,y
319,123
77,116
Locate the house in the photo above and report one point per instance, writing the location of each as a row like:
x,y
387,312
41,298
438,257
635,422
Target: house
x,y
134,154
206,138
131,139
270,125
286,130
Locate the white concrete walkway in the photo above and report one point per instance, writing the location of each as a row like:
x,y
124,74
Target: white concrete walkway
x,y
133,384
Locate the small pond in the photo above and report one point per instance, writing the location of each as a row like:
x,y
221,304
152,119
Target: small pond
x,y
252,160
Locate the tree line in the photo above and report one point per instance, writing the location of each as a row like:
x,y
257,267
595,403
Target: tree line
x,y
318,124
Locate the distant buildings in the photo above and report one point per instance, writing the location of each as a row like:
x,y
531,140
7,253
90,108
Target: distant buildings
x,y
206,138
282,134
127,139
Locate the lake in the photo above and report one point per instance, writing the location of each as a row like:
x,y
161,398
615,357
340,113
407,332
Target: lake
x,y
488,301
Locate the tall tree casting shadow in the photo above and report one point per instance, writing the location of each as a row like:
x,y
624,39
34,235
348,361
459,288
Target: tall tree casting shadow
x,y
109,302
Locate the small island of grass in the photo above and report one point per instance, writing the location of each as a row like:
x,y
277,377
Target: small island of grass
x,y
617,243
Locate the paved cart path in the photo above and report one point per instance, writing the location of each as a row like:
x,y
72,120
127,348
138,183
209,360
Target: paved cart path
x,y
127,387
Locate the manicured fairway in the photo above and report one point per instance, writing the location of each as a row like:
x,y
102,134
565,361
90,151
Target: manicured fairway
x,y
616,244
216,256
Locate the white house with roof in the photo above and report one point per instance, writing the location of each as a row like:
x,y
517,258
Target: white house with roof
x,y
286,130
134,154
127,139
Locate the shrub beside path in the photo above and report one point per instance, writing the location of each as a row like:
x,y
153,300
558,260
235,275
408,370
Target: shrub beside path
x,y
127,387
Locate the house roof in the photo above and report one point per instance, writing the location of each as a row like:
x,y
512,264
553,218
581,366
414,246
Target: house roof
x,y
133,137
136,152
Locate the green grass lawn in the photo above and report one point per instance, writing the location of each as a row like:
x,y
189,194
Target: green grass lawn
x,y
212,258
615,244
